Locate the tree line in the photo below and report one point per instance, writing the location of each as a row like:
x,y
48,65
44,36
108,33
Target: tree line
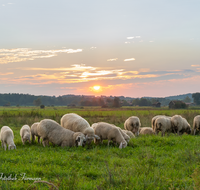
x,y
15,99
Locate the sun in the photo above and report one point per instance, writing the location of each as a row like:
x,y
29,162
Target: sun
x,y
96,87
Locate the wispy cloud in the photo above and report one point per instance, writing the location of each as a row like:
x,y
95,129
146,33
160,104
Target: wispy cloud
x,y
115,59
93,48
195,65
127,42
25,54
131,59
10,73
129,38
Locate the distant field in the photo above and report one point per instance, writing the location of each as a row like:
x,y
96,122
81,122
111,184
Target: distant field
x,y
149,162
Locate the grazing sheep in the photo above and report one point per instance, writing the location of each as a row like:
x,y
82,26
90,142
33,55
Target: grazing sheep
x,y
146,131
154,119
163,124
109,132
129,133
196,124
34,132
25,133
76,123
126,137
50,131
180,125
7,138
133,124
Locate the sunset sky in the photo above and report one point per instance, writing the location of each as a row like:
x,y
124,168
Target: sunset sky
x,y
129,48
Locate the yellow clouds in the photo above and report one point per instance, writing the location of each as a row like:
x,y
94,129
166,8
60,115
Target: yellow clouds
x,y
115,59
131,59
25,54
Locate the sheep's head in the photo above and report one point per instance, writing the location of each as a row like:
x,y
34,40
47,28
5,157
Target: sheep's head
x,y
123,144
80,140
188,130
11,147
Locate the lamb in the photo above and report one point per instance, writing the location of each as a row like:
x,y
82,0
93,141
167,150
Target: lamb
x,y
146,131
163,124
34,132
50,131
196,124
25,133
7,137
109,132
132,124
129,133
180,125
76,123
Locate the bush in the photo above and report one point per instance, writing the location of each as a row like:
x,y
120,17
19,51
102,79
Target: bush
x,y
42,106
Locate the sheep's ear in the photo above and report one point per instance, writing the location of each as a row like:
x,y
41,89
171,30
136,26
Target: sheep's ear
x,y
97,137
78,138
120,146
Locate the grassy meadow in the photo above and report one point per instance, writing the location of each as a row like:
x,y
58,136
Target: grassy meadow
x,y
148,162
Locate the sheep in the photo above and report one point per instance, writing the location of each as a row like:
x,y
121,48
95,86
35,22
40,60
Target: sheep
x,y
50,131
132,124
126,137
180,125
146,131
163,124
154,119
196,124
129,133
76,123
7,137
34,132
109,132
25,133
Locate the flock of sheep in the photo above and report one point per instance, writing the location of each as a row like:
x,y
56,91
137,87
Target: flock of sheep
x,y
74,130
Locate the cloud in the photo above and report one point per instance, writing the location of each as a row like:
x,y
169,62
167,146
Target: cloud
x,y
127,42
138,36
115,59
195,65
25,54
10,73
93,48
129,38
131,59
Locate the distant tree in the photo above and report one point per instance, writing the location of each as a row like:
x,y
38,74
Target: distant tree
x,y
116,102
187,99
196,98
37,102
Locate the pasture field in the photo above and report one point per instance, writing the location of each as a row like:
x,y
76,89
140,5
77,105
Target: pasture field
x,y
148,162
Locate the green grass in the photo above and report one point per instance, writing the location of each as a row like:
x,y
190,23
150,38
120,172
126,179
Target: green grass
x,y
148,162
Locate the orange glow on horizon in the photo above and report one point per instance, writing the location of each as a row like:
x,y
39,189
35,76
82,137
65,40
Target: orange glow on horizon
x,y
96,88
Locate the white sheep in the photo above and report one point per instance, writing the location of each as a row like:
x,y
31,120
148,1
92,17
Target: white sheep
x,y
25,133
34,132
76,123
196,124
154,119
7,138
163,124
133,124
50,131
129,133
109,132
146,131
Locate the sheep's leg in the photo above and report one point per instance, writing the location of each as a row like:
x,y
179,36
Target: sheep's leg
x,y
5,146
29,141
23,141
2,144
33,138
39,140
194,131
108,142
178,132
